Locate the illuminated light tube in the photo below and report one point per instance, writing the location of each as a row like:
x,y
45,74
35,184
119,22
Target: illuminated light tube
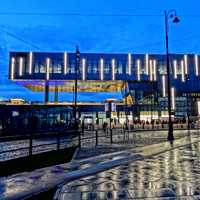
x,y
101,69
163,86
138,70
173,97
12,70
65,62
113,69
182,71
147,63
129,63
30,62
198,107
151,70
47,68
21,61
196,65
175,68
186,63
83,69
154,70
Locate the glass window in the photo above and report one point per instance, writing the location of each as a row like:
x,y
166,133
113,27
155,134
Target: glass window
x,y
162,67
89,67
36,70
42,68
120,68
95,67
57,69
72,67
107,68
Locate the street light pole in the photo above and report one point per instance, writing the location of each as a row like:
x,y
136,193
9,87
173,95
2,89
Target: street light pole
x,y
187,96
75,89
171,14
170,125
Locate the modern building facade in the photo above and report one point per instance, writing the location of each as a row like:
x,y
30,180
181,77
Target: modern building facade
x,y
25,119
141,79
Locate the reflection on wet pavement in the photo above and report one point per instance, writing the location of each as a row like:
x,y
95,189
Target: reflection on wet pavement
x,y
171,175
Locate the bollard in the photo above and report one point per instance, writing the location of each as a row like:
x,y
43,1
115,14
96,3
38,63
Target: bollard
x,y
79,139
82,131
111,139
128,134
96,137
58,141
30,145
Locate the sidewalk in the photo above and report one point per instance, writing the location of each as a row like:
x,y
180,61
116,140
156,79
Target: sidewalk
x,y
29,183
124,142
162,172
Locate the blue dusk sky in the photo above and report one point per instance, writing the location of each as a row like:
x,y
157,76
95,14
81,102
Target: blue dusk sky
x,y
38,25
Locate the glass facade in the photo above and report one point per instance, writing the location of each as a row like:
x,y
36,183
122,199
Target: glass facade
x,y
22,118
135,69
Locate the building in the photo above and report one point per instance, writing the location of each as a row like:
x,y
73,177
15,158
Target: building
x,y
26,118
140,78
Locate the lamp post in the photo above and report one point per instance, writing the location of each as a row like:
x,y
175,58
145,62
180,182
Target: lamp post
x,y
171,14
75,85
126,108
187,96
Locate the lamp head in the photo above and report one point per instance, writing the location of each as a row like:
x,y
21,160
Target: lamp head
x,y
176,19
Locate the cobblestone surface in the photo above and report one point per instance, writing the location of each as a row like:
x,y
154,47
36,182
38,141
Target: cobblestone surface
x,y
123,141
174,174
136,170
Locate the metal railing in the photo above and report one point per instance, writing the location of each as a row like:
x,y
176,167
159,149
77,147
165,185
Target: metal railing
x,y
27,145
110,133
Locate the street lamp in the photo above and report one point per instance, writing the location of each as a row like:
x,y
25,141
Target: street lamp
x,y
169,15
75,85
187,96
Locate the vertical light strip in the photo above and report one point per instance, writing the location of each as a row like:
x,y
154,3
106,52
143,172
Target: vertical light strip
x,y
198,107
101,69
12,70
21,61
47,68
182,71
173,97
113,69
196,65
138,70
83,69
65,62
186,63
175,68
151,70
147,63
154,70
163,86
129,63
30,62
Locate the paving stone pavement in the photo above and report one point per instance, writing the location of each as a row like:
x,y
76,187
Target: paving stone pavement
x,y
28,183
124,142
174,174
